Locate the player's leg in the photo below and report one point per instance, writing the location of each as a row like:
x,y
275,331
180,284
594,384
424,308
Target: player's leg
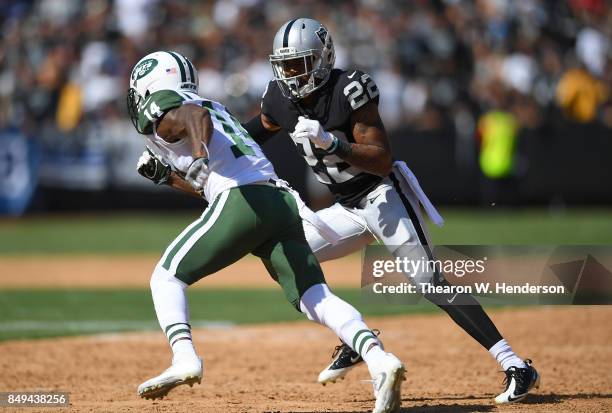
x,y
291,263
351,227
224,233
355,235
393,206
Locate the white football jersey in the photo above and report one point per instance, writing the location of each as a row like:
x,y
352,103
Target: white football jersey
x,y
234,157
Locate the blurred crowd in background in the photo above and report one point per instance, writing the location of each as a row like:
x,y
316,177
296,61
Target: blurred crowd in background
x,y
487,68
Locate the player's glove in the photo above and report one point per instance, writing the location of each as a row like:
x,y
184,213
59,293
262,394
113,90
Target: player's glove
x,y
197,174
153,168
312,129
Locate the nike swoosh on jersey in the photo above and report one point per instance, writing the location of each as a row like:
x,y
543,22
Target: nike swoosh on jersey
x,y
353,74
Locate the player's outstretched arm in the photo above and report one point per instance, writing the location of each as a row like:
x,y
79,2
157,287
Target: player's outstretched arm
x,y
261,128
371,150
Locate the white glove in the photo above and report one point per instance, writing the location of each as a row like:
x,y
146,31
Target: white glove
x,y
197,174
312,129
144,159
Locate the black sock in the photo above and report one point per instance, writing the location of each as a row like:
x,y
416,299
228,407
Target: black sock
x,y
468,314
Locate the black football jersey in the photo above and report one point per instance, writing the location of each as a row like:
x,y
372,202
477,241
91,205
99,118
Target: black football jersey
x,y
332,106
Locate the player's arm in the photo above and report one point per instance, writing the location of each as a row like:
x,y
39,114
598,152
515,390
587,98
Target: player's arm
x,y
187,121
261,128
192,122
156,170
176,182
370,151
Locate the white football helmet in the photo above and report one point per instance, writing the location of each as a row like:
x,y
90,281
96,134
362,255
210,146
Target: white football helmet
x,y
303,57
159,71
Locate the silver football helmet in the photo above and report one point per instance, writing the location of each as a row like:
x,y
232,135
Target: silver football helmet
x,y
302,57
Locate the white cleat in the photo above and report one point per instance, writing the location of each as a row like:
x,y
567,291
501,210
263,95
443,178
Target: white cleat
x,y
387,377
181,372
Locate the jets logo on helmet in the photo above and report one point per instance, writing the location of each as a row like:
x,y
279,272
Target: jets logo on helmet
x,y
159,71
303,57
143,68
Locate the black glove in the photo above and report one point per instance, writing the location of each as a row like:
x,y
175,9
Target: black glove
x,y
153,168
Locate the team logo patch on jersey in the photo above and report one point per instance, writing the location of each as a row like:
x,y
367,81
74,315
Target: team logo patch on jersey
x,y
322,34
143,69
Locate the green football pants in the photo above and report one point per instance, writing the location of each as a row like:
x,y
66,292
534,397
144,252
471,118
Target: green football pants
x,y
258,219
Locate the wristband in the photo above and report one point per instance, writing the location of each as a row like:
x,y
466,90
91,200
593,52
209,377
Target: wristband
x,y
340,148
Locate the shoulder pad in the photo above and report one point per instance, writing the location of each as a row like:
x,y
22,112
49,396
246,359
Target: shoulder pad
x,y
358,88
155,106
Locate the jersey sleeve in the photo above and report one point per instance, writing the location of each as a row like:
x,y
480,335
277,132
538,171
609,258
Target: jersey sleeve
x,y
269,101
357,89
154,108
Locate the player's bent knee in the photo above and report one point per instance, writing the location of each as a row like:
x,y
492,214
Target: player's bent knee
x,y
161,277
419,255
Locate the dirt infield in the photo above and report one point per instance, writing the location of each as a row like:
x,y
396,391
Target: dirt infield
x,y
117,271
274,367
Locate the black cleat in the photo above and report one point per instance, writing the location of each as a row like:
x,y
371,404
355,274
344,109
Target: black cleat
x,y
518,381
344,360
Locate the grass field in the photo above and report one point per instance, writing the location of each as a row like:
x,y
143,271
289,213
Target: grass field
x,y
49,313
134,233
88,275
29,313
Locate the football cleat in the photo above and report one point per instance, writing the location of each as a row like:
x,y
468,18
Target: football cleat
x,y
518,381
387,376
181,372
344,359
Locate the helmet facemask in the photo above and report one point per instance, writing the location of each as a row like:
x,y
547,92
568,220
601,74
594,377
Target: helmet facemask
x,y
134,100
298,74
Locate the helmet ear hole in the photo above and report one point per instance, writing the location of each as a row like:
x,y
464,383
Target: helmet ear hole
x,y
147,93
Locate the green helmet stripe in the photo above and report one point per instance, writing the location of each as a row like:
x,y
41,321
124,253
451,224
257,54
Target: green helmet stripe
x,y
186,66
180,65
191,70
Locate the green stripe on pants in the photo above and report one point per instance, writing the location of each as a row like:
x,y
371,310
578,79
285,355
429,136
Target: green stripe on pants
x,y
257,219
189,234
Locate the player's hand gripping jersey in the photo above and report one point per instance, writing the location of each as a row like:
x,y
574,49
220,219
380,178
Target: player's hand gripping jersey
x,y
234,157
332,105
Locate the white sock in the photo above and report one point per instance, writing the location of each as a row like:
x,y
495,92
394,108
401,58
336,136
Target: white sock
x,y
322,306
179,337
172,311
372,355
502,352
